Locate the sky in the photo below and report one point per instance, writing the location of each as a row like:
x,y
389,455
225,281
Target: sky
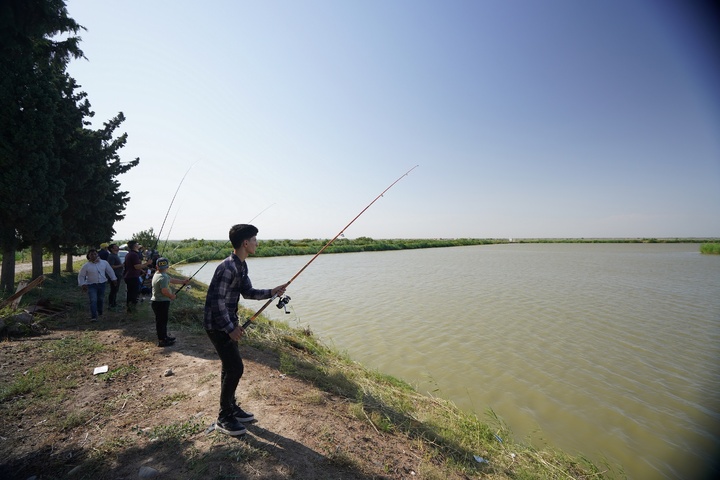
x,y
527,119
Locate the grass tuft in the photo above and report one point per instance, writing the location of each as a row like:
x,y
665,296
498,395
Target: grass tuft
x,y
710,248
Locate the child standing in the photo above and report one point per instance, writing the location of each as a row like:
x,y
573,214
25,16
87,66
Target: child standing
x,y
160,301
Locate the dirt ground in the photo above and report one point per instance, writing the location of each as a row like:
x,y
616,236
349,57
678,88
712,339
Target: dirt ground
x,y
135,425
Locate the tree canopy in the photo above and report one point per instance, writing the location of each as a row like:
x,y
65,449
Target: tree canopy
x,y
58,187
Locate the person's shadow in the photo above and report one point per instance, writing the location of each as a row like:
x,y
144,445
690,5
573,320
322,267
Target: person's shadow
x,y
302,461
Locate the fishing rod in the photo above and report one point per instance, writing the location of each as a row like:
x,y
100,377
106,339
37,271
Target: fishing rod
x,y
170,207
216,251
285,299
169,231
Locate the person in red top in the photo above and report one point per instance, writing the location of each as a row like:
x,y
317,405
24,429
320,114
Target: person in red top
x,y
134,267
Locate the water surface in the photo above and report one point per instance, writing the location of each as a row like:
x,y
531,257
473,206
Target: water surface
x,y
610,350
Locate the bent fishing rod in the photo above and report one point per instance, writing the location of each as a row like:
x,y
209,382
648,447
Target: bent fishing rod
x,y
284,300
216,251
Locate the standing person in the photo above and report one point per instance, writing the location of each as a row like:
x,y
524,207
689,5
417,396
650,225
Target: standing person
x,y
117,265
223,326
133,271
160,300
92,278
103,253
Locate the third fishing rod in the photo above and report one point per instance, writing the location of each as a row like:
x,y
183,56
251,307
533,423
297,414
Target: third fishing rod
x,y
169,208
283,301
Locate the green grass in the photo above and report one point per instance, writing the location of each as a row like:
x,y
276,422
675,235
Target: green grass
x,y
118,373
65,361
173,432
710,248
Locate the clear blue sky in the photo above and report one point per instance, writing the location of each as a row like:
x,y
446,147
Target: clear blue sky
x,y
553,118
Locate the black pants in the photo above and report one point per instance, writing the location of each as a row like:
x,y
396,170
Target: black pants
x,y
133,291
232,368
162,312
112,298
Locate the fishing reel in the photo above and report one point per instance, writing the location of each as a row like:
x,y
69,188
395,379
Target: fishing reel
x,y
282,303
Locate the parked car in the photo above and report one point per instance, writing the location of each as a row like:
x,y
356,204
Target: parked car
x,y
122,254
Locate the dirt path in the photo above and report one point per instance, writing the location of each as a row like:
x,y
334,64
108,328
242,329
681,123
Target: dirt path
x,y
125,423
27,266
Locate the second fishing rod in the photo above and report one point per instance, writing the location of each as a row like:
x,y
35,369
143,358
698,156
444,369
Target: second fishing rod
x,y
285,299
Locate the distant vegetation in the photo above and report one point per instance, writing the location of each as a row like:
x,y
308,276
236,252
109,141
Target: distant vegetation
x,y
193,250
710,248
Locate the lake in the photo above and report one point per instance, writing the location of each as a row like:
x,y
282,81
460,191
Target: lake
x,y
609,350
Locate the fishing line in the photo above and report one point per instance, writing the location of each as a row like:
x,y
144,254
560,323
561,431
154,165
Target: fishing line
x,y
283,301
256,216
221,247
214,253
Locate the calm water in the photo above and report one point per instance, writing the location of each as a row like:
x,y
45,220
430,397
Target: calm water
x,y
607,350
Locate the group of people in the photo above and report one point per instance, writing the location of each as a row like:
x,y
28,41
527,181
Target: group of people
x,y
220,318
104,266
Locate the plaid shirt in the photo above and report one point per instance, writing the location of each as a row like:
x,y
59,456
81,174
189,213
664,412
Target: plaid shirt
x,y
228,283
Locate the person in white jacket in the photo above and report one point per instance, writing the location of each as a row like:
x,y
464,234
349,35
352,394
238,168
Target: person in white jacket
x,y
92,279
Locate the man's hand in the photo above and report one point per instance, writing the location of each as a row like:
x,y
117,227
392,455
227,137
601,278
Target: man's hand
x,y
280,289
238,333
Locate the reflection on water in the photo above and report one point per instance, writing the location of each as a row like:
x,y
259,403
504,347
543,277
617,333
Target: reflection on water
x,y
607,350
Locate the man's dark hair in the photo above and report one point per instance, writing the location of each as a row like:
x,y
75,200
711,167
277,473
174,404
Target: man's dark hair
x,y
131,244
112,245
241,232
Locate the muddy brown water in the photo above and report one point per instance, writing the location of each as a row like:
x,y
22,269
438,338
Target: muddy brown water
x,y
609,350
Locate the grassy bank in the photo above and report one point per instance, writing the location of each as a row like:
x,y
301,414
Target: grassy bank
x,y
59,421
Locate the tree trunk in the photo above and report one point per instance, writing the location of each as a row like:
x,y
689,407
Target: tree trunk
x,y
69,263
37,261
7,279
57,261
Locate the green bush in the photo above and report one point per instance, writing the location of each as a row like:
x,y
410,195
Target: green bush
x,y
710,248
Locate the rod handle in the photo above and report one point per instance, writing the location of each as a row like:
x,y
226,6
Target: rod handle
x,y
251,319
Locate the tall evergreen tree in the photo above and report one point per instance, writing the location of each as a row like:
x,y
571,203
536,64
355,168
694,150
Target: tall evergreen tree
x,y
95,201
32,67
56,173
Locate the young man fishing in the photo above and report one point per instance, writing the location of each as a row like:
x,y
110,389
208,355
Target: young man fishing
x,y
221,322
